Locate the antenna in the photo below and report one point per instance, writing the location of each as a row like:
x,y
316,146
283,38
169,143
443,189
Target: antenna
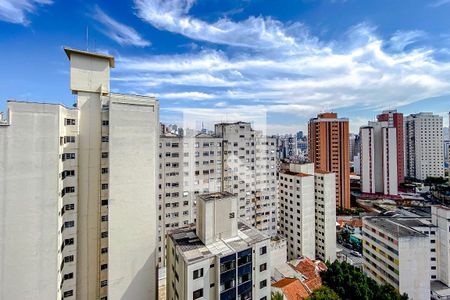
x,y
87,38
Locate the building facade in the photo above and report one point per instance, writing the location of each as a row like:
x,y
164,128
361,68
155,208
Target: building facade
x,y
221,258
395,119
393,253
91,214
308,212
423,145
378,162
328,149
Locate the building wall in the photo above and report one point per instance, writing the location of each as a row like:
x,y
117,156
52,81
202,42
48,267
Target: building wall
x,y
132,239
325,209
424,152
414,256
367,163
441,218
328,142
31,227
389,152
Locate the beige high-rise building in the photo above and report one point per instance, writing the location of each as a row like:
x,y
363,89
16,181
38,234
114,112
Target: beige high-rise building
x,y
83,181
308,212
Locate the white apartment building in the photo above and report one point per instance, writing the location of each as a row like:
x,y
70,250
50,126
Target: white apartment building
x,y
188,166
378,159
89,202
440,217
308,212
424,154
219,258
249,169
397,254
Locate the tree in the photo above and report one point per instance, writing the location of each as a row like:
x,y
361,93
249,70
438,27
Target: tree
x,y
351,283
324,293
277,296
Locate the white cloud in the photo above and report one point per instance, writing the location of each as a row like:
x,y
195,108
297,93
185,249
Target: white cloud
x,y
438,3
15,11
401,39
122,34
254,32
187,96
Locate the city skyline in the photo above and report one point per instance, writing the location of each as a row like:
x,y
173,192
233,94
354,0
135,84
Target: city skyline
x,y
239,60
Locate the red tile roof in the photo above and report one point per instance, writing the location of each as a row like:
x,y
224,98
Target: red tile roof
x,y
292,288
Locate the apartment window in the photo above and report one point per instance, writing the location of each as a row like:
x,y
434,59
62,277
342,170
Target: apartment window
x,y
263,284
68,276
104,298
69,241
104,186
197,294
68,294
104,234
104,283
67,173
105,122
264,298
67,190
69,206
68,258
104,202
104,218
104,250
69,139
105,139
69,224
263,250
263,267
69,122
198,273
66,156
105,170
105,154
232,215
104,267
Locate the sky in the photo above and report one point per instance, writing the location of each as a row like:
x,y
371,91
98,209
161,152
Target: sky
x,y
274,63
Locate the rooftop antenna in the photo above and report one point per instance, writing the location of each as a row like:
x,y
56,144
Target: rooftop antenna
x,y
87,38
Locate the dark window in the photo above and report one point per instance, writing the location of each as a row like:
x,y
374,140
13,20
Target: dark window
x,y
197,294
198,273
263,267
263,284
68,294
263,250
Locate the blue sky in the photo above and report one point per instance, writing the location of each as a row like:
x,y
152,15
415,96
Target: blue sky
x,y
271,62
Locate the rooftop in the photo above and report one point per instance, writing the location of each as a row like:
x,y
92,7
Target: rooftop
x,y
292,288
287,172
193,249
215,196
393,226
69,51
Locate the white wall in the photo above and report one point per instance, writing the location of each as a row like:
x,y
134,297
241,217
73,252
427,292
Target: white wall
x,y
29,196
133,142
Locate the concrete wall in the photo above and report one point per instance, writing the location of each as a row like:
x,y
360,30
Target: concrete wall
x,y
29,201
134,132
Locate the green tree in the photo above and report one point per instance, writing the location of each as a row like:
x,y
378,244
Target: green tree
x,y
324,293
351,283
277,296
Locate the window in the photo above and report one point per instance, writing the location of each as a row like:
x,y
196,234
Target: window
x,y
69,206
104,234
105,170
104,283
104,250
68,294
104,267
69,139
263,250
69,224
69,241
232,215
198,273
104,218
263,284
105,122
105,154
105,139
66,156
263,267
68,258
68,276
105,202
69,122
104,186
197,294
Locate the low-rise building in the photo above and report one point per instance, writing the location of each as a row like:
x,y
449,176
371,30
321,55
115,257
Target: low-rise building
x,y
220,257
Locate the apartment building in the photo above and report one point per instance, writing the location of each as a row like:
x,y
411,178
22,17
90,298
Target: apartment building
x,y
249,170
221,257
396,254
89,205
188,166
440,217
395,119
378,162
423,146
308,212
328,144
